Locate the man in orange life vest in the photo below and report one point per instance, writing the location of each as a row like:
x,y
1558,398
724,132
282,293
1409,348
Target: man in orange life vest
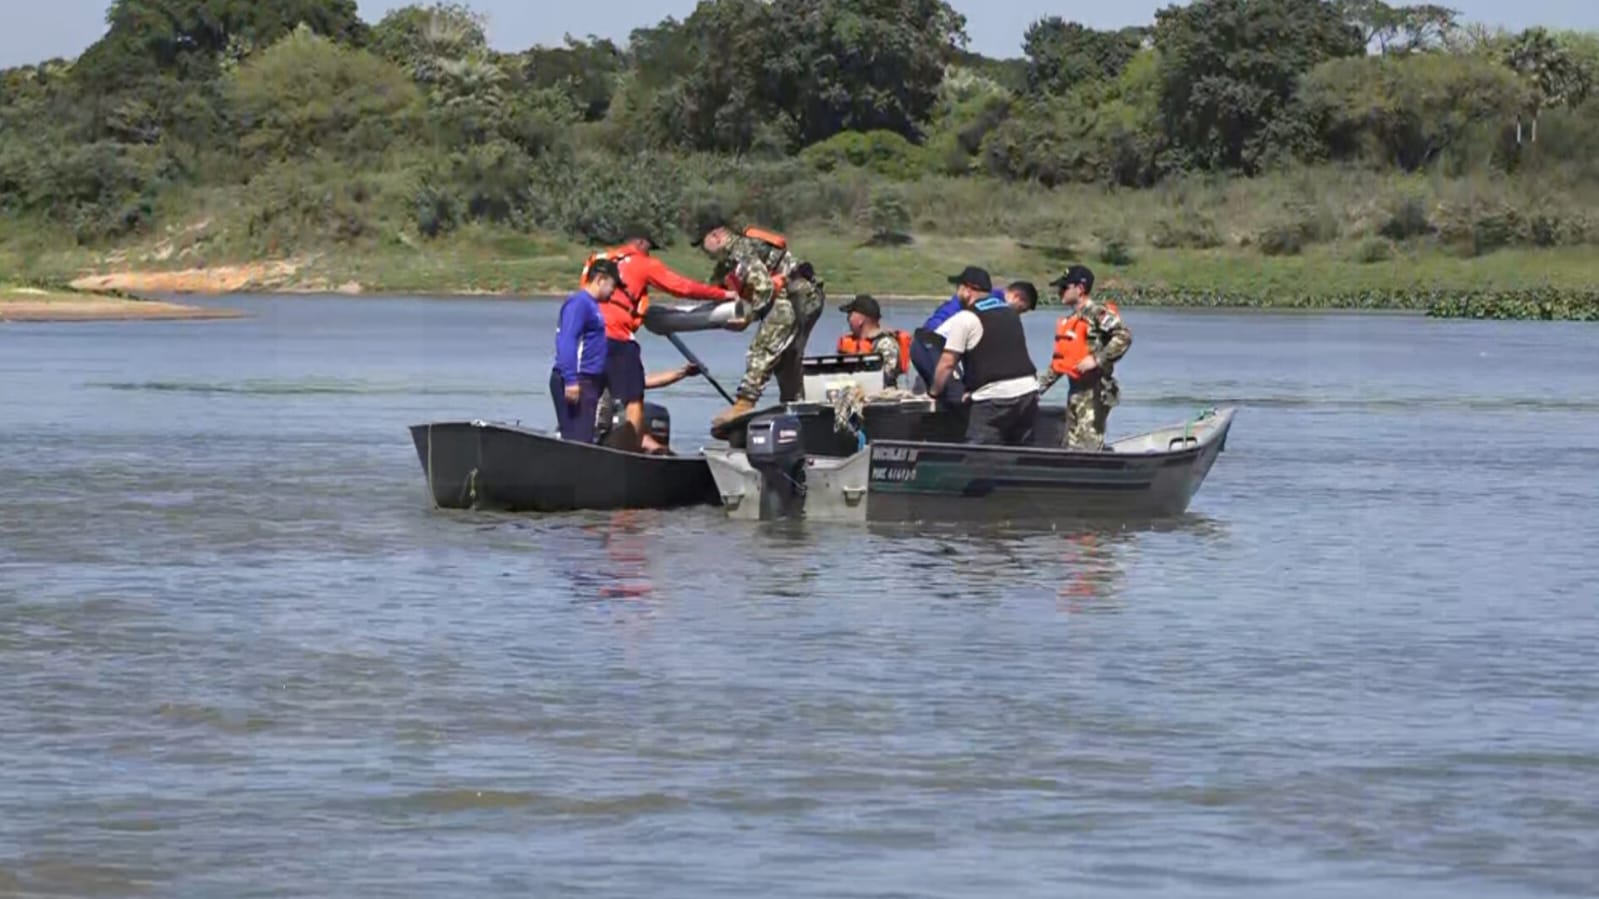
x,y
866,335
624,313
1088,343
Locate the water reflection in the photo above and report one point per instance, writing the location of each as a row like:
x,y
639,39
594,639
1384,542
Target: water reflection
x,y
626,538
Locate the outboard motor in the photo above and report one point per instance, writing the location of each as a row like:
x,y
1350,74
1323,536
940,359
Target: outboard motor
x,y
775,449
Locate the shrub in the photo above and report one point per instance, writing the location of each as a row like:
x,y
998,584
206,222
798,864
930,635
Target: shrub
x,y
880,152
889,219
1373,250
595,197
1406,219
1114,249
1185,229
1280,240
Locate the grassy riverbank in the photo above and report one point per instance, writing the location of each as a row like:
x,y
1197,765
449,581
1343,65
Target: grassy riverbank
x,y
489,261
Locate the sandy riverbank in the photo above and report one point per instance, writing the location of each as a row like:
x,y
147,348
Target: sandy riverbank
x,y
32,305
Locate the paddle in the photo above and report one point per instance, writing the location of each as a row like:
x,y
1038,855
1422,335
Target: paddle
x,y
694,361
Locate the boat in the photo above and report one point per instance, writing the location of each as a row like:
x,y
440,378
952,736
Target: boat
x,y
913,468
503,467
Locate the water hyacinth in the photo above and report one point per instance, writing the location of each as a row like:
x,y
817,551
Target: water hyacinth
x,y
1546,304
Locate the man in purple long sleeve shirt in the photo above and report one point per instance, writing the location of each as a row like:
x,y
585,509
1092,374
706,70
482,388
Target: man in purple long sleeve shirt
x,y
579,371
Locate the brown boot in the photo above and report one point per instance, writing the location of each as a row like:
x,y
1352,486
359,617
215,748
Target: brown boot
x,y
721,424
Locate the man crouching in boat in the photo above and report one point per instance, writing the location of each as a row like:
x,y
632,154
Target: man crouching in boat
x,y
986,337
608,425
624,313
1089,342
580,353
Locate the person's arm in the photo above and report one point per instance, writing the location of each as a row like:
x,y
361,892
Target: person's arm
x,y
942,374
1115,346
668,378
1121,338
567,337
658,274
1047,380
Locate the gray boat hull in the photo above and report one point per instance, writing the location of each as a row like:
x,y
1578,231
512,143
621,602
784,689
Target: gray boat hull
x,y
1150,476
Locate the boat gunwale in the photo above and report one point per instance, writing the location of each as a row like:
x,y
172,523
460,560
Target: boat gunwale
x,y
480,425
1213,432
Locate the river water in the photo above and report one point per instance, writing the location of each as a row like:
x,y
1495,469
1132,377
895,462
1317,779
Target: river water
x,y
240,655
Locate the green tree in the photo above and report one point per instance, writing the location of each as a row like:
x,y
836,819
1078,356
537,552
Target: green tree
x,y
789,72
586,70
1553,73
420,38
1228,73
1099,132
306,96
863,65
1401,29
1405,111
1062,55
189,38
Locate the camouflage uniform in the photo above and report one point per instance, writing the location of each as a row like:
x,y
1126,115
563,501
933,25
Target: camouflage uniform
x,y
887,346
786,316
1091,399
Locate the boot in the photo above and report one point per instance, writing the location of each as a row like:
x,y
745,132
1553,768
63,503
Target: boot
x,y
721,424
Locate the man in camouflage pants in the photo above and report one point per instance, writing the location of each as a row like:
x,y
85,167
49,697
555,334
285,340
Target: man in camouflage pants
x,y
787,301
1094,391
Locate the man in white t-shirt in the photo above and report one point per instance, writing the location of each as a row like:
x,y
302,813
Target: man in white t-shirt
x,y
987,340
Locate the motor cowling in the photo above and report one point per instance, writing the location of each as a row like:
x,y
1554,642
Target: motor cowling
x,y
775,448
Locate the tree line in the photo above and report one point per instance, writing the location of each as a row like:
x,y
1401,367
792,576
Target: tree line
x,y
322,126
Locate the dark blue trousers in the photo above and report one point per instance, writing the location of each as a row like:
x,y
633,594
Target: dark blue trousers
x,y
575,420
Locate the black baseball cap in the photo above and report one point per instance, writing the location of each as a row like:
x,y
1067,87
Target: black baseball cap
x,y
1077,274
1028,292
706,220
973,277
865,305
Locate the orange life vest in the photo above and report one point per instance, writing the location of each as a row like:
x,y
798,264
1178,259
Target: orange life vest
x,y
1071,344
626,309
849,345
764,236
770,238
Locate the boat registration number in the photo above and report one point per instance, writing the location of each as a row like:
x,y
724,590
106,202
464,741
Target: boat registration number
x,y
899,463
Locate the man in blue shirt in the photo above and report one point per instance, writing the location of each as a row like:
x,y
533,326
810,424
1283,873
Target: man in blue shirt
x,y
927,346
580,350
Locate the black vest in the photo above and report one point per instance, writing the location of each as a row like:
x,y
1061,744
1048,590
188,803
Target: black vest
x,y
1002,353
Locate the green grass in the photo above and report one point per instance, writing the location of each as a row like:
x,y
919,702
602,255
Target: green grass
x,y
1327,227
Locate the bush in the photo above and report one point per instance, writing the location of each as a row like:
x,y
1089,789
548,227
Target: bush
x,y
889,219
880,152
1114,249
1280,240
1407,219
294,207
1185,229
595,197
306,95
1373,250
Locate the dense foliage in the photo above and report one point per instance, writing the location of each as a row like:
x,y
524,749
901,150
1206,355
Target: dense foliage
x,y
300,124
